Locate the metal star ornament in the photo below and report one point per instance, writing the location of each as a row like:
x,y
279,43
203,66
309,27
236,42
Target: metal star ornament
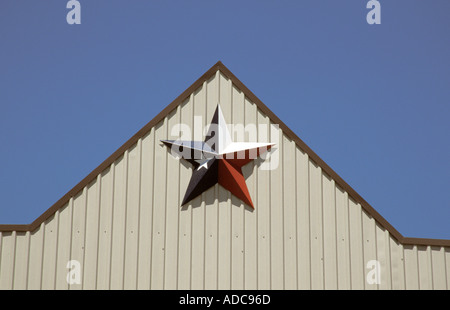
x,y
217,160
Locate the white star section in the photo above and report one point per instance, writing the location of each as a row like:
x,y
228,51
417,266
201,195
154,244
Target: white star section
x,y
223,142
219,145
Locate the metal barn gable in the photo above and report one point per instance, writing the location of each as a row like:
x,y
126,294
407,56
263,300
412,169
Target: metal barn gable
x,y
122,227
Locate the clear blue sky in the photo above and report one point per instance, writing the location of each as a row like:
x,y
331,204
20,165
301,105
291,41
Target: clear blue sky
x,y
373,101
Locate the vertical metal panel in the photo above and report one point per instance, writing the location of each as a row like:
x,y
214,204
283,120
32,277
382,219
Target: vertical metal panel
x,y
172,211
50,250
303,223
36,256
316,226
132,216
329,233
184,235
276,217
159,201
211,236
447,265
250,220
397,265
146,211
438,268
211,201
127,229
89,271
224,220
237,207
370,250
197,205
21,260
7,260
411,267
424,265
103,269
356,245
118,224
343,240
64,245
289,214
78,232
262,212
383,256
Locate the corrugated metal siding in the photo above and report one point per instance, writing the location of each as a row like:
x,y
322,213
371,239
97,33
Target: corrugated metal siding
x,y
127,230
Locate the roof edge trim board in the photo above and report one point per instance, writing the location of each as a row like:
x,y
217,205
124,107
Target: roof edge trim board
x,y
286,130
425,242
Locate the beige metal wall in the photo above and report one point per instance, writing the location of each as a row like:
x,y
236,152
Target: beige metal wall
x,y
128,231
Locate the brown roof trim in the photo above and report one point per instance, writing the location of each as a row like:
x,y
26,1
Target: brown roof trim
x,y
425,242
312,155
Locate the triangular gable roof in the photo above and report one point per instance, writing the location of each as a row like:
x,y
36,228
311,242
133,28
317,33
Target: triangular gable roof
x,y
288,132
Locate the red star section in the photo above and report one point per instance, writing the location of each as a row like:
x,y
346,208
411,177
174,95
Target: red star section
x,y
230,173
